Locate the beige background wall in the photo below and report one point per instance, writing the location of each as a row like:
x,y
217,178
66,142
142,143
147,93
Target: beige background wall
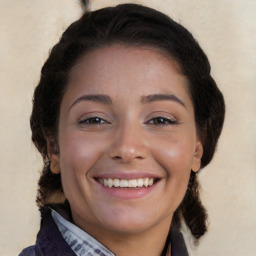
x,y
226,30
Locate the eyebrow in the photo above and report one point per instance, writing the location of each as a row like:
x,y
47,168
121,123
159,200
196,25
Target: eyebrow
x,y
161,97
106,100
100,98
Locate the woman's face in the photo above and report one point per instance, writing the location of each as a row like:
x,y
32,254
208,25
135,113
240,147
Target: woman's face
x,y
127,140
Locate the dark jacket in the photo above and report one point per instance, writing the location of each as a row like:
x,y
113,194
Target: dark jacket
x,y
51,243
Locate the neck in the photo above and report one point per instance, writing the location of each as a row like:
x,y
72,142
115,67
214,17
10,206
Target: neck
x,y
150,242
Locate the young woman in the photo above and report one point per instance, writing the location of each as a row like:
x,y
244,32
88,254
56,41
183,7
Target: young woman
x,y
125,114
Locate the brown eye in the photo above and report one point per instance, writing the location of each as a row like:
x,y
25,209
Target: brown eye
x,y
93,121
161,121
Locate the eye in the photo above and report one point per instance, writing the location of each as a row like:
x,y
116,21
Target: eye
x,y
162,121
93,121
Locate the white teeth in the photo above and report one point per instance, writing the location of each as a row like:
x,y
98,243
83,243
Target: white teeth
x,y
110,183
146,182
132,183
140,182
122,183
116,183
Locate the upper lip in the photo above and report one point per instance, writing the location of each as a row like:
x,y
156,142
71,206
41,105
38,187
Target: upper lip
x,y
126,175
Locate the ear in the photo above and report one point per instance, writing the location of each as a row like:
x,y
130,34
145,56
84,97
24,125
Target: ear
x,y
53,156
197,156
55,163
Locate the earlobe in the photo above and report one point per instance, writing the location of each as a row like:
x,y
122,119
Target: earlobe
x,y
197,157
55,164
53,155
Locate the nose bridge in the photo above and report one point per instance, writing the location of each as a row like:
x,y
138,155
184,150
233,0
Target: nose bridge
x,y
128,143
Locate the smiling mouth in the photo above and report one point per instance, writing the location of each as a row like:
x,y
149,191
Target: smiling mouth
x,y
127,183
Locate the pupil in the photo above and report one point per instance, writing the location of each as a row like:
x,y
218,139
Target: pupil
x,y
159,120
95,120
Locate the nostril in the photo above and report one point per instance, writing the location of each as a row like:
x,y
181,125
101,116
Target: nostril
x,y
116,157
127,159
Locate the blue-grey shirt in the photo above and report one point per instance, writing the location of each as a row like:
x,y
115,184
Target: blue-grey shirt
x,y
80,242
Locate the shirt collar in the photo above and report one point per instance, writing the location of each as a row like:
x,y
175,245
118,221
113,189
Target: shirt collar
x,y
79,241
82,244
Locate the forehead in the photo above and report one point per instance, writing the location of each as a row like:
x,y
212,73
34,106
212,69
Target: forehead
x,y
132,70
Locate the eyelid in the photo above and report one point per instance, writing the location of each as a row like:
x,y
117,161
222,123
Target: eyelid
x,y
92,115
164,115
169,121
83,120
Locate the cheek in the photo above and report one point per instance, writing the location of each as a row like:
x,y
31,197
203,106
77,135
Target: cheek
x,y
78,153
175,154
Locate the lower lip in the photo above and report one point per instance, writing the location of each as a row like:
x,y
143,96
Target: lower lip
x,y
127,193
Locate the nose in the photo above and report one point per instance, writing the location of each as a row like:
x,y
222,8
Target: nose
x,y
129,144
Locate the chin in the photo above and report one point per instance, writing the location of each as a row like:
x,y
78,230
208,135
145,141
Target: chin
x,y
130,226
130,220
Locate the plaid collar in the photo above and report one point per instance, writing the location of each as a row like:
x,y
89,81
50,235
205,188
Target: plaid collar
x,y
82,244
79,241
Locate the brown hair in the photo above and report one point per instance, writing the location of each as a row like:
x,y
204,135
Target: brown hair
x,y
135,25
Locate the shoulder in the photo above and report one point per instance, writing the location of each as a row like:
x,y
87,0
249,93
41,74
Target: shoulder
x,y
49,240
29,251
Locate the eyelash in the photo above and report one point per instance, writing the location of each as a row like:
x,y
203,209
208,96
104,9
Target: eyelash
x,y
159,120
163,121
95,120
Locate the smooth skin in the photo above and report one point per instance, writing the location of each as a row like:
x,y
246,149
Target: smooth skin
x,y
126,112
